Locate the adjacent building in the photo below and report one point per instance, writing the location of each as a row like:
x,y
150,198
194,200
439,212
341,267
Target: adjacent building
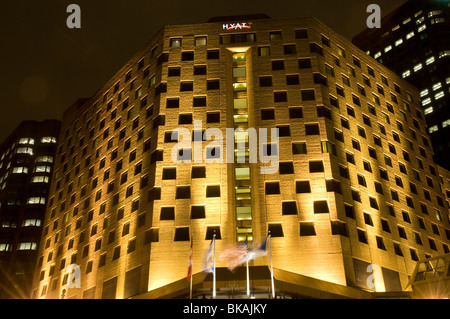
x,y
413,42
147,164
26,163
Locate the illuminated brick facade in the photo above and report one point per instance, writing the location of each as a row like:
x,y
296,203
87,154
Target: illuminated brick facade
x,y
354,161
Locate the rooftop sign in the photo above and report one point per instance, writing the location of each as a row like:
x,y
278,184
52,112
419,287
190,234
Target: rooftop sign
x,y
237,26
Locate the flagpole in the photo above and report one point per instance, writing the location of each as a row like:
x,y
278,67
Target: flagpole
x,y
271,268
248,283
192,268
214,265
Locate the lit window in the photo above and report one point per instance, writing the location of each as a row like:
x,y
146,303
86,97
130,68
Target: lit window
x,y
410,35
428,110
42,169
439,95
446,123
434,13
244,213
5,247
36,200
242,173
432,129
24,150
20,170
27,246
31,222
443,54
243,192
240,103
396,27
175,42
406,73
48,139
44,159
429,60
406,21
26,140
200,40
388,48
240,119
377,55
40,179
241,86
421,28
426,101
417,67
398,42
423,93
437,86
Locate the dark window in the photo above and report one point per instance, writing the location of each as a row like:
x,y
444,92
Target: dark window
x,y
185,119
312,129
289,208
213,117
183,192
321,207
213,85
213,54
304,63
284,130
186,86
169,173
213,191
302,187
267,114
292,79
272,188
286,168
301,34
295,112
197,212
290,49
299,148
276,230
199,101
198,172
182,234
265,81
167,213
173,103
280,96
199,69
316,166
187,56
277,65
174,71
308,95
307,229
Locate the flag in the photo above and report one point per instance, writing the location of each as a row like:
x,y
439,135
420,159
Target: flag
x,y
189,274
208,259
258,251
234,255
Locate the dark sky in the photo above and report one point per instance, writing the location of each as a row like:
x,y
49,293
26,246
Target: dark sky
x,y
45,66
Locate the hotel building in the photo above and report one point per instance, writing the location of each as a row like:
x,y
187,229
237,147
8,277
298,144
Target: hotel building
x,y
413,42
26,163
354,186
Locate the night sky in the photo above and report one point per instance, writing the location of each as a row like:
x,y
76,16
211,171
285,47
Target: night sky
x,y
46,66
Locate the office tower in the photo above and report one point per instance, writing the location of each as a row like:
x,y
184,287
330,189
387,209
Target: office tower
x,y
354,182
413,42
26,161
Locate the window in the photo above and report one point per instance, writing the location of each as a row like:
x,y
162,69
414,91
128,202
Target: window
x,y
187,56
316,166
321,207
182,234
175,42
272,188
312,129
213,191
169,173
183,192
264,51
302,187
304,63
280,96
299,148
200,40
275,35
197,212
308,95
290,49
289,208
307,229
275,230
198,172
277,65
167,213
